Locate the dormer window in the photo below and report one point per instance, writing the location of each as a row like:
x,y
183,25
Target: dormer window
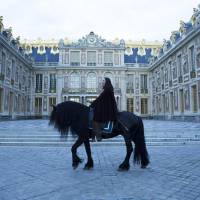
x,y
41,48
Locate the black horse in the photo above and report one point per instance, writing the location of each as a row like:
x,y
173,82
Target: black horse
x,y
76,116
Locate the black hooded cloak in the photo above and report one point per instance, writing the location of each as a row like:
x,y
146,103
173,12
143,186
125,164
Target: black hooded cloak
x,y
105,106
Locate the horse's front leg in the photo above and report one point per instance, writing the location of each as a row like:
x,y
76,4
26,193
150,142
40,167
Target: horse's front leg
x,y
129,149
75,159
89,163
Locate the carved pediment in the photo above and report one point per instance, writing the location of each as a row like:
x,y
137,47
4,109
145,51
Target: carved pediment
x,y
93,40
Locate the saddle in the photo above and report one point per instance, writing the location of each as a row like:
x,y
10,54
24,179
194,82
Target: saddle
x,y
107,126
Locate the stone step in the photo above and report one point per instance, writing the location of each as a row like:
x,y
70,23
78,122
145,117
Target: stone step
x,y
72,138
66,144
56,141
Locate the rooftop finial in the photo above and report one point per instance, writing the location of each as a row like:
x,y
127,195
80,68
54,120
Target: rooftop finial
x,y
1,23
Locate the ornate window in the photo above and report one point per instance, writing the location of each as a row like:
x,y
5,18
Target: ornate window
x,y
170,70
144,106
52,88
130,83
75,58
39,78
13,69
187,98
17,75
185,65
91,81
3,66
143,82
198,60
179,62
108,58
1,99
162,75
166,75
191,54
91,58
130,104
74,80
174,70
66,82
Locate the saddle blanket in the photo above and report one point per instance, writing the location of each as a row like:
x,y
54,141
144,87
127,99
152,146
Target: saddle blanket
x,y
106,128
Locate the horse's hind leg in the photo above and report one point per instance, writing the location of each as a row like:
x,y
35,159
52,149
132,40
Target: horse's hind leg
x,y
129,149
89,163
75,159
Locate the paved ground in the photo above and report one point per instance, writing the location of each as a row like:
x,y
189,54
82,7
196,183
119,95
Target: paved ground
x,y
45,173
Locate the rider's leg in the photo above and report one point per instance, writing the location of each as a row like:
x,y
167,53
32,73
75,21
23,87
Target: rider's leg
x,y
97,130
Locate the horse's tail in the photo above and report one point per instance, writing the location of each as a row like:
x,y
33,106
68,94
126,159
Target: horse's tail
x,y
140,153
59,120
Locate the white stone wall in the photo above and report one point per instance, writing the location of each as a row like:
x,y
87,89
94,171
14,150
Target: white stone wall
x,y
16,84
190,77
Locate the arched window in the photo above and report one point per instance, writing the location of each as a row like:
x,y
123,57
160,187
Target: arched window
x,y
74,80
91,81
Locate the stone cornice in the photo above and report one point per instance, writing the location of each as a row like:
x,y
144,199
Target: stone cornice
x,y
143,43
14,51
120,68
128,43
176,47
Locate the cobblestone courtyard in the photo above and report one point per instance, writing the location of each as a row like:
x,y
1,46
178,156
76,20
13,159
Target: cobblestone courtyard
x,y
45,173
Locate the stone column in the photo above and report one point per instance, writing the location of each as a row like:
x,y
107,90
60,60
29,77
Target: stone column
x,y
150,102
123,91
59,87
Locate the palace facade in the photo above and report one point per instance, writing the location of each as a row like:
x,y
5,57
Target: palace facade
x,y
151,79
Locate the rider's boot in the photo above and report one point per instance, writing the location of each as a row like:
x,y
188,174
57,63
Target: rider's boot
x,y
97,130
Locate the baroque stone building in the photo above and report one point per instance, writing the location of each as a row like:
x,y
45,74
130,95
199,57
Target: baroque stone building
x,y
151,79
175,73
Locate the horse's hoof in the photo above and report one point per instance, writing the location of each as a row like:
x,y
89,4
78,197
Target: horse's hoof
x,y
75,166
143,166
123,168
88,167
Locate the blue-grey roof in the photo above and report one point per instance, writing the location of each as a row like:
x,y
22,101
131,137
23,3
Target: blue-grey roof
x,y
50,57
135,58
46,57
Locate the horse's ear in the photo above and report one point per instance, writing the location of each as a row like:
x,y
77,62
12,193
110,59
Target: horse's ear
x,y
54,107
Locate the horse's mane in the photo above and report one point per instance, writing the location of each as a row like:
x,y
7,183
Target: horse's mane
x,y
65,114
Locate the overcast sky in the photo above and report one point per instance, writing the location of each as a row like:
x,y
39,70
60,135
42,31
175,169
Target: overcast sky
x,y
127,19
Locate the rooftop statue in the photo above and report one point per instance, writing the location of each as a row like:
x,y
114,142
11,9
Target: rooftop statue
x,y
166,45
16,42
174,36
8,33
160,52
195,19
1,24
184,27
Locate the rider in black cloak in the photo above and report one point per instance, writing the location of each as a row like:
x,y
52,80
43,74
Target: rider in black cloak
x,y
104,107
